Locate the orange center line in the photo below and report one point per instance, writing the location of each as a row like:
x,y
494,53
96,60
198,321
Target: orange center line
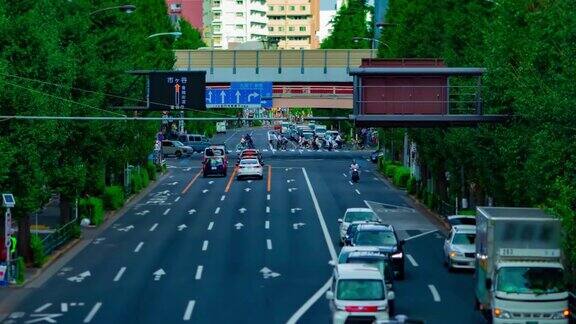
x,y
269,178
232,176
191,182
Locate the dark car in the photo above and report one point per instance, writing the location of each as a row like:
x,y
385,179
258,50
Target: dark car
x,y
384,237
214,166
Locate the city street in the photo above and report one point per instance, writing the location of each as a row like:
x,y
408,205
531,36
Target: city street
x,y
218,250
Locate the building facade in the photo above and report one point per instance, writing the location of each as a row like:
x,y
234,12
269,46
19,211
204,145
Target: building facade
x,y
294,24
189,10
228,23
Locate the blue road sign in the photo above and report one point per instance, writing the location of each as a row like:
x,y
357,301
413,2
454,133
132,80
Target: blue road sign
x,y
232,98
265,89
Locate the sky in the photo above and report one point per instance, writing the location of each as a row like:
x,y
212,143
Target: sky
x,y
327,4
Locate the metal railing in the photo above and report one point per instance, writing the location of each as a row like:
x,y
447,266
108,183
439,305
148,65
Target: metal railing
x,y
60,236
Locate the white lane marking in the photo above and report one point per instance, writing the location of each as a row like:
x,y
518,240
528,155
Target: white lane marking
x,y
43,307
153,227
268,197
269,244
358,191
411,259
167,211
119,274
138,247
435,293
210,226
177,198
205,246
188,311
64,307
217,211
199,272
267,225
302,310
327,238
350,182
345,175
419,235
93,312
223,197
267,209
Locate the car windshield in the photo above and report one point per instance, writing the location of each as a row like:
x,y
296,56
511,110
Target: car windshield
x,y
249,162
357,216
360,289
375,238
526,280
178,143
463,221
463,239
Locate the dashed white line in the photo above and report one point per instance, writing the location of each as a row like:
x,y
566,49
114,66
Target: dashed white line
x,y
138,247
119,274
217,211
166,211
350,182
358,191
177,198
188,311
267,225
345,175
309,303
153,227
267,209
93,312
435,293
64,307
43,307
268,197
210,226
269,244
205,246
223,197
199,272
412,261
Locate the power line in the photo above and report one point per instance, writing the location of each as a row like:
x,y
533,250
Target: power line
x,y
123,117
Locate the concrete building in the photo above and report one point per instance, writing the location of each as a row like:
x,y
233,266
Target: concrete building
x,y
325,28
189,10
228,23
294,24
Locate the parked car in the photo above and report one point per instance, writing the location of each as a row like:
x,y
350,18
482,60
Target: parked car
x,y
214,165
384,237
196,141
459,247
175,148
358,294
462,220
250,168
355,215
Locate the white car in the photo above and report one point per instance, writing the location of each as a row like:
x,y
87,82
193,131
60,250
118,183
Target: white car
x,y
461,220
249,168
355,215
358,292
459,248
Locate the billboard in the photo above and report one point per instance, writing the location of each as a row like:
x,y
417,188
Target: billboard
x,y
176,90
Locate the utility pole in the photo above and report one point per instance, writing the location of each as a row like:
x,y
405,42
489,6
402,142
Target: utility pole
x,y
8,202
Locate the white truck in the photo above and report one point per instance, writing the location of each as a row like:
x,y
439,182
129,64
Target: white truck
x,y
519,273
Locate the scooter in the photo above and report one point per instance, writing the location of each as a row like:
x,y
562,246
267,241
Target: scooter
x,y
355,175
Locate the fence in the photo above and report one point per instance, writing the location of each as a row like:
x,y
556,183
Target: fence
x,y
62,235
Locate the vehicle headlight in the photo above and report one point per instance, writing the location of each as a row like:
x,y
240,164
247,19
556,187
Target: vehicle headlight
x,y
397,255
561,314
454,254
500,313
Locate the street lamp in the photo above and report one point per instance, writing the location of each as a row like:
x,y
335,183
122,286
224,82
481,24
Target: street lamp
x,y
127,8
175,34
382,25
373,41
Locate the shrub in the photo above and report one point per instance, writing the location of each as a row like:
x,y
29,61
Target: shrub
x,y
136,180
77,231
38,255
144,177
21,269
93,209
470,212
401,176
113,197
431,200
151,168
411,186
390,170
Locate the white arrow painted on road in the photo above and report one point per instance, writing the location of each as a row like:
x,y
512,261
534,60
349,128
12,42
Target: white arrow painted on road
x,y
292,189
222,96
181,227
191,211
294,210
158,274
142,213
98,240
126,229
238,225
80,277
267,273
290,180
242,210
187,169
249,181
298,225
172,183
205,191
287,169
210,182
237,96
247,189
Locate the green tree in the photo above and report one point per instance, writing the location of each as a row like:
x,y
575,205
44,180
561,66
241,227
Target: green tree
x,y
190,39
349,22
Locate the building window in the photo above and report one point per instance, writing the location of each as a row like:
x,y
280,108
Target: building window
x,y
281,8
280,28
217,28
303,8
270,28
271,8
239,2
290,28
216,15
303,28
239,26
240,39
292,8
239,14
216,3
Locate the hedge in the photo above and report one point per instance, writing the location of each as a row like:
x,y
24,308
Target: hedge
x,y
144,177
390,170
401,176
113,197
38,255
93,209
136,180
151,168
21,266
411,186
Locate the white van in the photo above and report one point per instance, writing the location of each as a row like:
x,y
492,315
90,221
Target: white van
x,y
221,127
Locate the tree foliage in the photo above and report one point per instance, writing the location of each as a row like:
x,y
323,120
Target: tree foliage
x,y
190,39
349,22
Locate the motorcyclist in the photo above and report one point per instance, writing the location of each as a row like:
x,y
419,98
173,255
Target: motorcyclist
x,y
354,166
339,141
248,139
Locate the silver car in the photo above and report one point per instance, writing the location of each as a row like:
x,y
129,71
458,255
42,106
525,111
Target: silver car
x,y
459,248
250,168
175,148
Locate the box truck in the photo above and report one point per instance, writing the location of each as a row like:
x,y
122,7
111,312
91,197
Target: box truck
x,y
519,273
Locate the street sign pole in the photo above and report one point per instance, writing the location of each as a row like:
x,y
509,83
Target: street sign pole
x,y
7,240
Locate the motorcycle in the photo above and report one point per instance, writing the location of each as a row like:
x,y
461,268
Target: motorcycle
x,y
355,175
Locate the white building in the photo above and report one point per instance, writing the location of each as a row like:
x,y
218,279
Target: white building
x,y
228,23
325,28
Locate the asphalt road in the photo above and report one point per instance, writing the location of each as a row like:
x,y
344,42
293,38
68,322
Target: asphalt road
x,y
218,250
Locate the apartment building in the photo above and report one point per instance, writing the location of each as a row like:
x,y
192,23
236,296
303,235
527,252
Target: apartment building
x,y
228,23
189,10
293,24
